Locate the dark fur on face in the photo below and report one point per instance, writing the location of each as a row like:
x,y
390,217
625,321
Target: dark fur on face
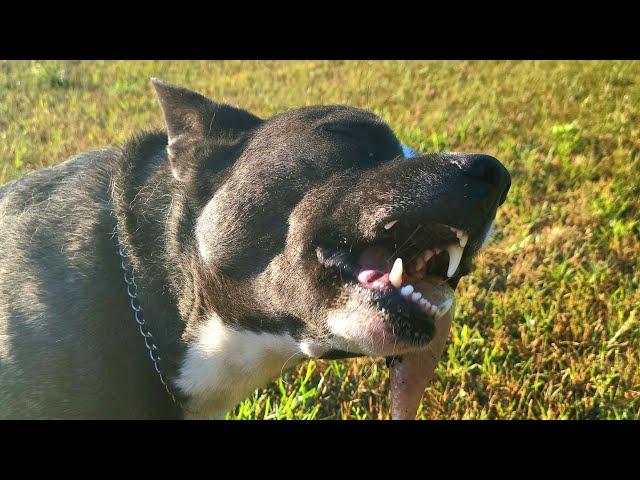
x,y
259,223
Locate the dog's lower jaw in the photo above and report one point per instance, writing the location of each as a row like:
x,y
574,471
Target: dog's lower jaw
x,y
222,366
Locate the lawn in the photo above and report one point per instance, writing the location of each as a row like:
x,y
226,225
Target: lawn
x,y
547,327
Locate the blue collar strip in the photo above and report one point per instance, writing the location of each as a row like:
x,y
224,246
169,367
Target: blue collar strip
x,y
408,153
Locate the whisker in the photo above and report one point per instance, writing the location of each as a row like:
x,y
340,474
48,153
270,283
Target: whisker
x,y
395,341
284,365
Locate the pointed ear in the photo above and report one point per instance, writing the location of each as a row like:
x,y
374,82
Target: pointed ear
x,y
189,116
184,111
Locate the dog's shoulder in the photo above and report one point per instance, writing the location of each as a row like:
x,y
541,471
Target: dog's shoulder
x,y
65,332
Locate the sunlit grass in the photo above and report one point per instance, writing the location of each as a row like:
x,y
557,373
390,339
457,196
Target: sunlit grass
x,y
548,325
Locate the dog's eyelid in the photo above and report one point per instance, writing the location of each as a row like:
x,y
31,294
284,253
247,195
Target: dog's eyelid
x,y
343,131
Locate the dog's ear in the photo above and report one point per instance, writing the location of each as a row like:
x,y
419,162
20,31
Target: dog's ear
x,y
189,117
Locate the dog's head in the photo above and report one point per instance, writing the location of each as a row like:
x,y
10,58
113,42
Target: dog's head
x,y
315,224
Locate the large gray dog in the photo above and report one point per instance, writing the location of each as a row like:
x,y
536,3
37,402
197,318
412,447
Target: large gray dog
x,y
244,245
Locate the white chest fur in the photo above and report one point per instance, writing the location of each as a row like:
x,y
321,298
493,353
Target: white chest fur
x,y
222,366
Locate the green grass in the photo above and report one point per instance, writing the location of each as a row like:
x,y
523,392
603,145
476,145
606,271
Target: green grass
x,y
549,324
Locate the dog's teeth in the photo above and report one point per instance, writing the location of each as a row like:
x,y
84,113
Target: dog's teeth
x,y
425,303
395,276
419,264
433,309
406,290
416,296
427,255
464,238
455,254
390,224
443,309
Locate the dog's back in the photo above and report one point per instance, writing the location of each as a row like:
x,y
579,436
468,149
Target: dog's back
x,y
63,316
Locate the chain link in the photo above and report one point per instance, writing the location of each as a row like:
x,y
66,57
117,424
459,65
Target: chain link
x,y
136,306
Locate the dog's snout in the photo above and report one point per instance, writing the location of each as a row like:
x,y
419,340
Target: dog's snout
x,y
486,169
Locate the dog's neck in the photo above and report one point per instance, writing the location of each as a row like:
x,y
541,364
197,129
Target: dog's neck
x,y
144,195
211,365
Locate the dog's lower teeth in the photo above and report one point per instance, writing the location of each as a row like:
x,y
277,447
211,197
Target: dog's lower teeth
x,y
443,309
406,290
410,293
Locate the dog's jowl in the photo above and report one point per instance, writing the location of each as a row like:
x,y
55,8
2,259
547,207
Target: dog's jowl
x,y
248,246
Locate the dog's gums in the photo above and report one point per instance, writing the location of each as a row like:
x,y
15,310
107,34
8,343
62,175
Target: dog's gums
x,y
375,270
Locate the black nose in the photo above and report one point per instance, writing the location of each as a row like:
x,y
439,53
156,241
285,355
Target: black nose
x,y
488,170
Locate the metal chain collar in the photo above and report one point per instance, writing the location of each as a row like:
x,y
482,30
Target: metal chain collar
x,y
136,306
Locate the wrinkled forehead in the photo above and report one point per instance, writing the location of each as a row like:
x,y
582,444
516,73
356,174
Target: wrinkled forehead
x,y
310,117
334,137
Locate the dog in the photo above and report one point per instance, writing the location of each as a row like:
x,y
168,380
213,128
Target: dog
x,y
172,276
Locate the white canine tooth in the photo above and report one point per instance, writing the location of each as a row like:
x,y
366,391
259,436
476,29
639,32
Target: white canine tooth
x,y
427,255
464,238
443,309
416,296
455,254
406,290
395,276
390,224
433,309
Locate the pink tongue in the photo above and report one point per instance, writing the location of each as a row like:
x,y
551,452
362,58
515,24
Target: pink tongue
x,y
409,378
374,279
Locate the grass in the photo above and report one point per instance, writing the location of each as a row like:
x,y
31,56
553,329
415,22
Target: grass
x,y
548,325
